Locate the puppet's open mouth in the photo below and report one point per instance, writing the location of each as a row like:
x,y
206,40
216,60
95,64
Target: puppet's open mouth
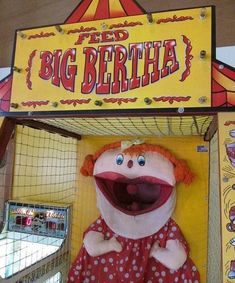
x,y
133,196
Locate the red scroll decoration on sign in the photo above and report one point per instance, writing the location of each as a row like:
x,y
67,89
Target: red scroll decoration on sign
x,y
174,19
34,104
125,24
81,29
41,34
28,70
171,99
188,58
75,101
119,100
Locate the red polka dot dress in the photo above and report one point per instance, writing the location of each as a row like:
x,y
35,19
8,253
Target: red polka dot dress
x,y
132,264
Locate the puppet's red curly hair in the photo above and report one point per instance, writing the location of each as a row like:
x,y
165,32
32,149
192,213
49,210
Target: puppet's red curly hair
x,y
181,170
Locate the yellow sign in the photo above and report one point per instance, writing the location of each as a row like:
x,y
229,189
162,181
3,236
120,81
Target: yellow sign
x,y
159,60
227,181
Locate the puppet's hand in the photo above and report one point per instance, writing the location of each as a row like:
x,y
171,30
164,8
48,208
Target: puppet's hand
x,y
115,245
96,244
173,256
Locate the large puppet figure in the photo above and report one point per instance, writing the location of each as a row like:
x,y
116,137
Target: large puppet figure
x,y
135,239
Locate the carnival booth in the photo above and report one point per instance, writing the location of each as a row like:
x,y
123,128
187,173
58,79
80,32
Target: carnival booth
x,y
115,77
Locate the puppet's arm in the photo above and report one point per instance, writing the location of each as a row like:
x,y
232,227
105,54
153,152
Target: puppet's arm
x,y
173,256
96,245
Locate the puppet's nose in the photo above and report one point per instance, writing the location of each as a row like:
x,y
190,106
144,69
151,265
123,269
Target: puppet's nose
x,y
129,163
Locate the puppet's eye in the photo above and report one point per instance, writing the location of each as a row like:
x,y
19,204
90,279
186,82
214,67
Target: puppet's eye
x,y
141,160
119,159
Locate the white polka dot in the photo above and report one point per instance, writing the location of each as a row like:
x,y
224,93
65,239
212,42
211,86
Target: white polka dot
x,y
136,245
172,271
156,274
161,236
196,281
121,268
71,278
149,281
89,266
163,273
148,246
78,267
137,274
135,267
96,262
176,279
174,228
110,259
171,235
98,221
111,276
154,268
126,275
76,273
93,278
106,269
160,280
183,276
133,261
121,261
194,268
103,260
185,281
100,229
88,273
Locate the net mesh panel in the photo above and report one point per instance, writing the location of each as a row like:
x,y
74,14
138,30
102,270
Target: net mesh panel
x,y
45,166
44,174
135,126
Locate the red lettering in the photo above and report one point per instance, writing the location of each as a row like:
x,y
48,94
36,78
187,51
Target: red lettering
x,y
68,72
94,37
154,61
169,57
55,67
56,78
120,35
135,55
89,69
119,69
46,69
81,38
103,87
106,36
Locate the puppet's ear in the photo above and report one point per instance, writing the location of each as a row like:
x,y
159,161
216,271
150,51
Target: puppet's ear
x,y
88,166
183,173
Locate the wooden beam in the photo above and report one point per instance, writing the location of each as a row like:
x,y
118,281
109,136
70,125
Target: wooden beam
x,y
6,131
213,127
